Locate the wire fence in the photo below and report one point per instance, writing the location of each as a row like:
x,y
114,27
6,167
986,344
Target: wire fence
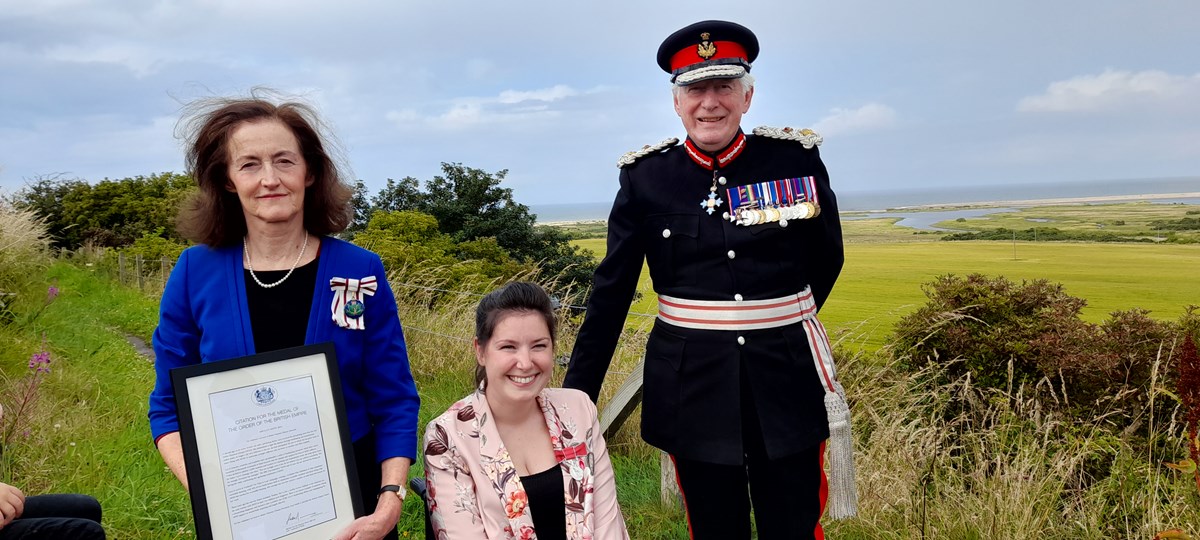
x,y
557,303
147,274
150,276
562,360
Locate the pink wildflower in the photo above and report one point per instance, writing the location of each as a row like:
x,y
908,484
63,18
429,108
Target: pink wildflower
x,y
40,361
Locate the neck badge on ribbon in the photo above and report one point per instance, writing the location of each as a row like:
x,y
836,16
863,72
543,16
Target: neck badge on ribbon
x,y
349,296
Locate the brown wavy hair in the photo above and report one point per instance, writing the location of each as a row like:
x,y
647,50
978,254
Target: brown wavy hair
x,y
213,214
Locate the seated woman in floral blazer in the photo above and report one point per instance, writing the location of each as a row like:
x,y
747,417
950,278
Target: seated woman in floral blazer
x,y
517,460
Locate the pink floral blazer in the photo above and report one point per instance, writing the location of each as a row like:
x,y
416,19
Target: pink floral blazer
x,y
474,489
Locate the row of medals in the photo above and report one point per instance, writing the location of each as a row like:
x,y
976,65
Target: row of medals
x,y
758,216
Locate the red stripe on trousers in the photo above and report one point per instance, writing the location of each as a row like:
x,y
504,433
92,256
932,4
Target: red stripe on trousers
x,y
688,516
818,532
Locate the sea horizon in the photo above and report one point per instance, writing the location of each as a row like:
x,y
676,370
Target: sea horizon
x,y
885,200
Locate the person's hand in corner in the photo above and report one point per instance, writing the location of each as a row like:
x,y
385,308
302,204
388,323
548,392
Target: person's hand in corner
x,y
12,503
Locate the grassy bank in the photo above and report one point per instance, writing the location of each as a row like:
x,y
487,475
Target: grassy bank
x,y
87,426
998,472
937,459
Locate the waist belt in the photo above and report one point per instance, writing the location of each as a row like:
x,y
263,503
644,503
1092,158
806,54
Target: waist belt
x,y
737,315
773,313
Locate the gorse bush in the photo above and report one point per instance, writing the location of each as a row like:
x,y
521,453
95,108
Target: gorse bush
x,y
987,323
1029,334
109,213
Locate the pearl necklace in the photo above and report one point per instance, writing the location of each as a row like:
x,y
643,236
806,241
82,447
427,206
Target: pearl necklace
x,y
246,250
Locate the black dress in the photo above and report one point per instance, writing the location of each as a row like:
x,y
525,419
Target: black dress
x,y
546,506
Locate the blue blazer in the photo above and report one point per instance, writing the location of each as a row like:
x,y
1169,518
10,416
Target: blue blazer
x,y
203,318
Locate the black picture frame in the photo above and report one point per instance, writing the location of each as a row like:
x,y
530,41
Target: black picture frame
x,y
196,385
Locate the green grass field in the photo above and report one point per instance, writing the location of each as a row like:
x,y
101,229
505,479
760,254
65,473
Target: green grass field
x,y
886,266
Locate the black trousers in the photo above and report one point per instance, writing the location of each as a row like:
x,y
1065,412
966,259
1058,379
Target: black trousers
x,y
370,477
787,494
56,516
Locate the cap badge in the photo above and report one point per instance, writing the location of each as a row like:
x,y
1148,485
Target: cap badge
x,y
706,49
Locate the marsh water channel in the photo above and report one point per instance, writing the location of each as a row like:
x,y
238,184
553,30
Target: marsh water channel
x,y
924,219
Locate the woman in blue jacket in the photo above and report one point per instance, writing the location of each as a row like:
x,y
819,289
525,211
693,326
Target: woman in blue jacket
x,y
267,276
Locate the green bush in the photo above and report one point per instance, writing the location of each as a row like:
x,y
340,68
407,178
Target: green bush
x,y
1007,335
1182,224
987,322
154,246
410,243
109,213
1048,234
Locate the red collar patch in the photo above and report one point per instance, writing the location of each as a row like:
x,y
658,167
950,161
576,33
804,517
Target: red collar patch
x,y
722,158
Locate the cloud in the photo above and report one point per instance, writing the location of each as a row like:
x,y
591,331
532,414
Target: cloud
x,y
554,93
139,60
479,69
1112,90
91,147
513,108
869,117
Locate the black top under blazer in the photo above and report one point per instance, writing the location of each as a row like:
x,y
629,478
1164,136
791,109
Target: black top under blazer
x,y
693,389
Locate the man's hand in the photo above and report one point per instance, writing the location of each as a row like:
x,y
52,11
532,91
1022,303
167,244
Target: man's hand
x,y
12,503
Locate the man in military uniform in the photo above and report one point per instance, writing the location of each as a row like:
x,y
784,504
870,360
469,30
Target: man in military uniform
x,y
742,236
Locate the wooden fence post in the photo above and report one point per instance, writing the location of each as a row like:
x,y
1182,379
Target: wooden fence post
x,y
121,268
668,488
627,398
141,278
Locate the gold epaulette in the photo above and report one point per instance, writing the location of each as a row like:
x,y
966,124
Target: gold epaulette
x,y
631,157
806,137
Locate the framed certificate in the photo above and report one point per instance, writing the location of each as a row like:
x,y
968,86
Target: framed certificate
x,y
266,444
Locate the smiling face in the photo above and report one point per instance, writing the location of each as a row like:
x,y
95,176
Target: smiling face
x,y
268,172
712,111
519,357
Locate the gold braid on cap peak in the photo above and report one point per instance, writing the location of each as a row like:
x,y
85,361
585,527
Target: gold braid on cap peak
x,y
631,157
806,137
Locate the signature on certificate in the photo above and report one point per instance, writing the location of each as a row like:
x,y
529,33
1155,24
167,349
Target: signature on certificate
x,y
297,519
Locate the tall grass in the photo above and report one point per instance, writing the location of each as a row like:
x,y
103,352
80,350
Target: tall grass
x,y
24,255
948,459
937,459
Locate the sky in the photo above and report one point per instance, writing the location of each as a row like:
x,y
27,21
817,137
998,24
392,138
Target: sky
x,y
923,94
